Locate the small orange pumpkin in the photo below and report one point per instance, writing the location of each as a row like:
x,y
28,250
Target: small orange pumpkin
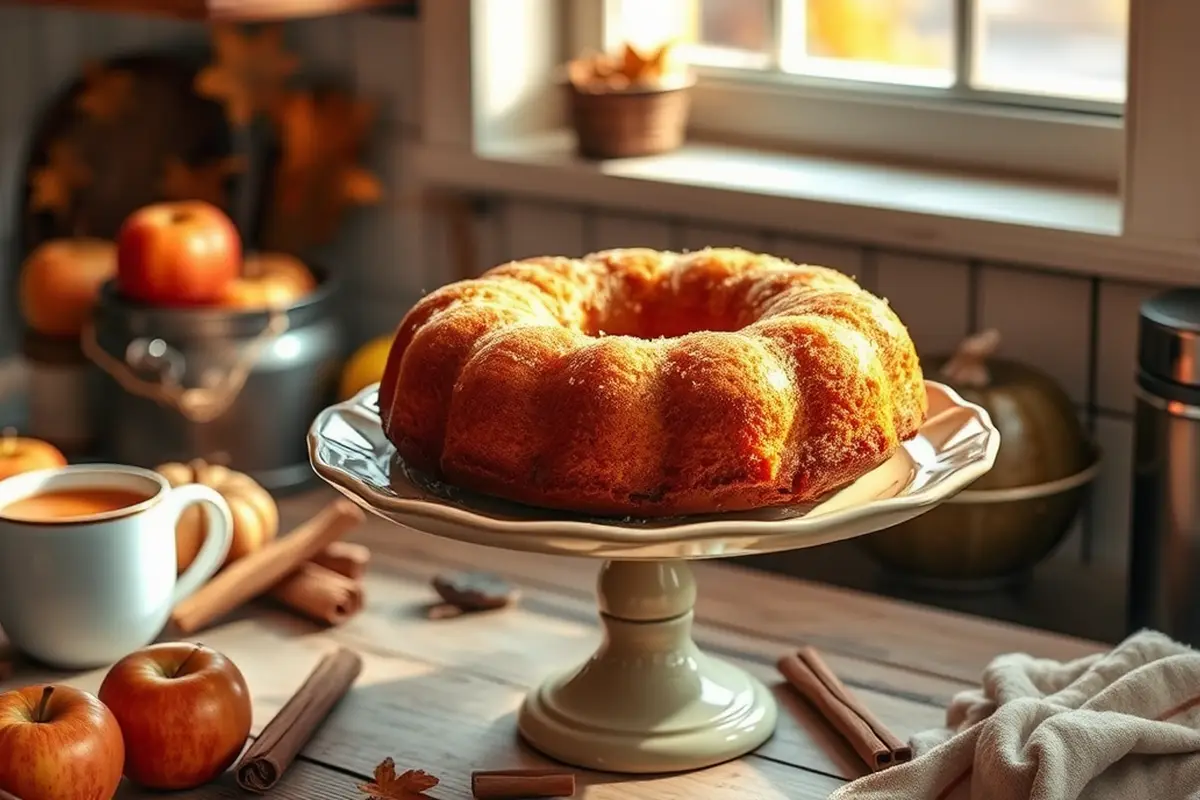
x,y
255,514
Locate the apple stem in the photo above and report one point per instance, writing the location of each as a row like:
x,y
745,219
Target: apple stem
x,y
44,704
8,441
183,663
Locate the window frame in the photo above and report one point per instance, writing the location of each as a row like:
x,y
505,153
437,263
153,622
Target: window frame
x,y
957,128
490,83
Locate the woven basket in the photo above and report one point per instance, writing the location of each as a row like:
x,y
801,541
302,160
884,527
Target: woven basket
x,y
636,122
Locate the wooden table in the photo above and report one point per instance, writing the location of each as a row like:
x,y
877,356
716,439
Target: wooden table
x,y
442,695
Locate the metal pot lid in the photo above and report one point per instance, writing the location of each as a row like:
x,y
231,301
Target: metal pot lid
x,y
1169,336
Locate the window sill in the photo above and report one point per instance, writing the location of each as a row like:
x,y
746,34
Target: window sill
x,y
1066,229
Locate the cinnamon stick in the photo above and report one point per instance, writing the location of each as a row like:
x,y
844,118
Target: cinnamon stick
x,y
249,577
877,746
265,761
509,784
320,594
901,750
345,558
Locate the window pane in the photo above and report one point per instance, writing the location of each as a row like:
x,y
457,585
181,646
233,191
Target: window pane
x,y
715,32
890,41
1066,48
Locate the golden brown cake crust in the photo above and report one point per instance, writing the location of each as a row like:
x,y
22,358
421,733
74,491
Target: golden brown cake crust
x,y
644,383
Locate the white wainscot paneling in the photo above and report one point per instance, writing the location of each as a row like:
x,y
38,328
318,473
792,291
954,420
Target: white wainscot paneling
x,y
63,45
387,241
13,147
698,237
1081,532
170,34
367,314
487,225
1070,549
1112,491
539,229
67,39
932,296
463,237
19,102
325,46
610,231
1116,342
1044,320
18,49
125,34
137,33
386,63
843,257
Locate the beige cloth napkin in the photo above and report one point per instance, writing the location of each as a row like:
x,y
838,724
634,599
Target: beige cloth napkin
x,y
1122,725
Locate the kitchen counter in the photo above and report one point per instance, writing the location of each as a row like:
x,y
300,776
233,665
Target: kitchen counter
x,y
441,695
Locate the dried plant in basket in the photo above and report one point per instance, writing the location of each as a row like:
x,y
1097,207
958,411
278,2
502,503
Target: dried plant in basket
x,y
629,69
631,103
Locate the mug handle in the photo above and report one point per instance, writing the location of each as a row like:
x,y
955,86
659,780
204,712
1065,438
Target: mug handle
x,y
218,536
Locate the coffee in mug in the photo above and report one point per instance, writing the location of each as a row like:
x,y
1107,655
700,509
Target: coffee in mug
x,y
87,559
71,504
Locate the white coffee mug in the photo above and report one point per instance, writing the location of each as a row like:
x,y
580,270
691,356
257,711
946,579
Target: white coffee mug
x,y
84,591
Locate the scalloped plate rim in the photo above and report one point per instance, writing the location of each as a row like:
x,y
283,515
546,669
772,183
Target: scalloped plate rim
x,y
600,531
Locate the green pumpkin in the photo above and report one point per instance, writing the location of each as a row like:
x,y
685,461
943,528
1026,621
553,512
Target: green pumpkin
x,y
1041,436
981,537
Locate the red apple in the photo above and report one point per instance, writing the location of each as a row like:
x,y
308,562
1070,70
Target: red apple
x,y
269,280
60,281
185,712
21,454
58,743
177,254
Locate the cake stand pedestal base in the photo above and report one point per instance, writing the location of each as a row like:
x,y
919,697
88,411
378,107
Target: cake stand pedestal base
x,y
648,700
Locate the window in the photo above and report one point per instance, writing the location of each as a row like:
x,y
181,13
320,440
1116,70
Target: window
x,y
1034,86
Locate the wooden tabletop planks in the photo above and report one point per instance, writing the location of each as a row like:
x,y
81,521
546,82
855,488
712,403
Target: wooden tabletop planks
x,y
442,695
772,607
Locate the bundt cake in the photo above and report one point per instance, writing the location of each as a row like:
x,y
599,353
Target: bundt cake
x,y
635,382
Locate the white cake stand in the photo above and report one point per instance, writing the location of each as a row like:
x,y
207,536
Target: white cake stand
x,y
649,700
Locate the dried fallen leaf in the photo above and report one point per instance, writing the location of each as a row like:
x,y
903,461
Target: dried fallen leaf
x,y
464,592
408,785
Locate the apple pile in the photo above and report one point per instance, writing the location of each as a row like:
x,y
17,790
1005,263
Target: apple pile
x,y
190,254
178,254
168,717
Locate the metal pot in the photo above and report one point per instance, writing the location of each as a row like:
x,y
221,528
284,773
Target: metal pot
x,y
233,387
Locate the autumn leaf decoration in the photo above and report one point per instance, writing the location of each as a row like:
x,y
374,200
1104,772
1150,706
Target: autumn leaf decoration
x,y
208,182
249,72
321,138
409,785
54,184
107,93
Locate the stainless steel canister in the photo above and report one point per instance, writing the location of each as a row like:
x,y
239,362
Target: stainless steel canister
x,y
235,387
1164,575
